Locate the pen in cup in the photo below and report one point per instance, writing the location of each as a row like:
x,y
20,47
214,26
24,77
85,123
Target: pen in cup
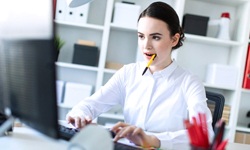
x,y
149,63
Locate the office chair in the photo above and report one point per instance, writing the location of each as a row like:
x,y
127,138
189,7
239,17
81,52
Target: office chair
x,y
216,104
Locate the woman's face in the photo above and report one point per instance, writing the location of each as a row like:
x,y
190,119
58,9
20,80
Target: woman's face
x,y
154,38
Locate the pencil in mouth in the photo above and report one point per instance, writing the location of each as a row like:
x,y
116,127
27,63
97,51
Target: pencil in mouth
x,y
154,55
151,60
149,63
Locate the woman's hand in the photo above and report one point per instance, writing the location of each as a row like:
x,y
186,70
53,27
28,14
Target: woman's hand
x,y
135,135
79,122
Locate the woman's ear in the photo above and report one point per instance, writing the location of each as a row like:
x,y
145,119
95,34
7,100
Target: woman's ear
x,y
175,39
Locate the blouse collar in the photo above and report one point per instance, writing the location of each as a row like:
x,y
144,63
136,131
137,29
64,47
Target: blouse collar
x,y
166,72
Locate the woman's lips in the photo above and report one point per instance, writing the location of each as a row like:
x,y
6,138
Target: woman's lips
x,y
148,56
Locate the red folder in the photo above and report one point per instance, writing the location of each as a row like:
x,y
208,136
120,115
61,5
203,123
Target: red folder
x,y
246,79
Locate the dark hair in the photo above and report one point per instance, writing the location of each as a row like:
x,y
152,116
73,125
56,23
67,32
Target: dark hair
x,y
166,13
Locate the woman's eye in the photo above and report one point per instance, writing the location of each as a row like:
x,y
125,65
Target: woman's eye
x,y
156,38
141,36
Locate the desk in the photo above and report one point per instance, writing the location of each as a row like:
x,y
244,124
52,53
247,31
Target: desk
x,y
24,138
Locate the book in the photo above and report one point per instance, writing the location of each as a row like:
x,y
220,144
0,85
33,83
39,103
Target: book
x,y
75,92
246,78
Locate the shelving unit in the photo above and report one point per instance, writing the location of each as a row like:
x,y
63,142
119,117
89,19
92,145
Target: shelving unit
x,y
119,44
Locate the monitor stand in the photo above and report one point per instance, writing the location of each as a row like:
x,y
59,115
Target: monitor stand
x,y
6,126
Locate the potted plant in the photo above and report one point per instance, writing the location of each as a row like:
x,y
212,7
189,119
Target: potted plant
x,y
58,44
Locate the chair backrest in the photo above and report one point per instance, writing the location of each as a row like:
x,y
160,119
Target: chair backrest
x,y
216,104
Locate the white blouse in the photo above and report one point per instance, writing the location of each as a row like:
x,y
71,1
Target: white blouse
x,y
158,102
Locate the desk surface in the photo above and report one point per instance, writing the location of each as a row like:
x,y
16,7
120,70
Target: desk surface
x,y
24,138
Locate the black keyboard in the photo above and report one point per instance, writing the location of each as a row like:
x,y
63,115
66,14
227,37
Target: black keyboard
x,y
67,133
121,146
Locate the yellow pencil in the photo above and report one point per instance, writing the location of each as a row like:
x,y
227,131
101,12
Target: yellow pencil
x,y
149,63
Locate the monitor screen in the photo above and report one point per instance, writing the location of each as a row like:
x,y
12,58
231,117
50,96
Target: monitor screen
x,y
27,64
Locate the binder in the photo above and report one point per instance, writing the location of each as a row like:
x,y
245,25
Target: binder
x,y
60,10
246,79
82,13
85,55
70,15
60,87
75,92
77,14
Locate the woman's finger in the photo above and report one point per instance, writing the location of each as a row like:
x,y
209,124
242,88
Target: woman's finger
x,y
78,122
137,131
127,131
88,120
119,125
124,132
70,119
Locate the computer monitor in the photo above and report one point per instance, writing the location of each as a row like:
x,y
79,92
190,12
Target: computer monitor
x,y
27,64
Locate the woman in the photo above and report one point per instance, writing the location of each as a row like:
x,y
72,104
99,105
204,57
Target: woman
x,y
154,104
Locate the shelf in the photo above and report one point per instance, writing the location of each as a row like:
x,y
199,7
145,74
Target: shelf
x,y
122,28
217,87
76,66
210,40
90,26
112,71
246,90
223,2
242,128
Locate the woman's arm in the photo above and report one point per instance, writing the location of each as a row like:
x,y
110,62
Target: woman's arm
x,y
101,101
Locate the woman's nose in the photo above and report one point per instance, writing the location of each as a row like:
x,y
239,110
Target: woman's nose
x,y
147,44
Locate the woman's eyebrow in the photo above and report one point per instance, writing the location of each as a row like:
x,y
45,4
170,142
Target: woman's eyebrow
x,y
153,34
